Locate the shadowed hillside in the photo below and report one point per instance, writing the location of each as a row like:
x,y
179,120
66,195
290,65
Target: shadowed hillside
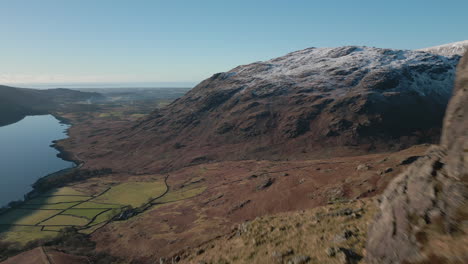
x,y
16,103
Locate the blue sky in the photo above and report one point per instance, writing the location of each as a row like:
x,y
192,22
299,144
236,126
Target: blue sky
x,y
179,43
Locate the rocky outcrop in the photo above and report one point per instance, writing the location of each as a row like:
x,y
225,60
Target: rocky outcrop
x,y
424,211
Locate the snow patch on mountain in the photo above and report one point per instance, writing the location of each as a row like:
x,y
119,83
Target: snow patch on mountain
x,y
450,49
337,70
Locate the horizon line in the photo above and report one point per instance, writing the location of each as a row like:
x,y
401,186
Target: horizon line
x,y
102,85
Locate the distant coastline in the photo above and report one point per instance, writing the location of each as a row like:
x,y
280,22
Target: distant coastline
x,y
105,85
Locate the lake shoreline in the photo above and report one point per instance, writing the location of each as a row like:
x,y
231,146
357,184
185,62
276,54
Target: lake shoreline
x,y
62,154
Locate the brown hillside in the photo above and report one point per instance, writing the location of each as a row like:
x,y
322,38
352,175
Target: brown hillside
x,y
308,104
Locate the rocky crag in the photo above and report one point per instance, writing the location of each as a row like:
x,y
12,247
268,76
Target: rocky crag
x,y
424,211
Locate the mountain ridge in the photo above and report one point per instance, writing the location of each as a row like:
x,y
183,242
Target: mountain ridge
x,y
449,49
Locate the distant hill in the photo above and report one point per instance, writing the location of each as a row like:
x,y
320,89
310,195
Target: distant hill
x,y
450,49
16,103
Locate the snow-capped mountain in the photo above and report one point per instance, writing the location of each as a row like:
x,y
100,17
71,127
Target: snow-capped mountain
x,y
309,102
450,49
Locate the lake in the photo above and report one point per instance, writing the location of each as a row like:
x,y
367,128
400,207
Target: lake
x,y
26,155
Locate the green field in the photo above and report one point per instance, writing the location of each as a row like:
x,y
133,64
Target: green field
x,y
104,217
132,193
53,228
93,205
45,215
25,234
63,191
86,213
26,217
49,206
65,220
57,199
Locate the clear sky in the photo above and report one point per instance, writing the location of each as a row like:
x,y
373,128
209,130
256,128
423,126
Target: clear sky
x,y
179,43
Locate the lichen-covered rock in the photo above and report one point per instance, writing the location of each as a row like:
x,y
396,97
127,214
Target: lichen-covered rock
x,y
423,212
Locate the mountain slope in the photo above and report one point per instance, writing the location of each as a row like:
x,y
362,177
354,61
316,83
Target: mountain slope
x,y
451,49
309,103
